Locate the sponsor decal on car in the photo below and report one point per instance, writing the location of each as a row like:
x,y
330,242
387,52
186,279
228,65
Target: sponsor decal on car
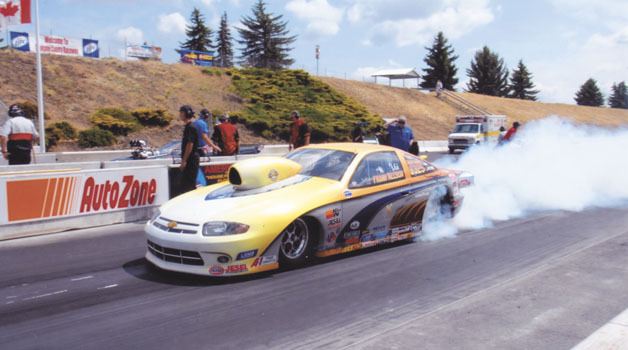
x,y
264,260
219,270
247,254
352,237
332,213
332,237
405,229
348,194
216,270
355,225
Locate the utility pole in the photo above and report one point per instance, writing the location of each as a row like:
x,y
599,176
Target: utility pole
x,y
40,85
318,55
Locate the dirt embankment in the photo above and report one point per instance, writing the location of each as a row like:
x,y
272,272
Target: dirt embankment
x,y
433,118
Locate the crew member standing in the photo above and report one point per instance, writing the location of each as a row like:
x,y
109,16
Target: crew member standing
x,y
299,131
189,151
202,128
17,137
511,132
400,135
227,135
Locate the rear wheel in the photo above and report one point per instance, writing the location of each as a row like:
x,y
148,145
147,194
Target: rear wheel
x,y
451,150
297,244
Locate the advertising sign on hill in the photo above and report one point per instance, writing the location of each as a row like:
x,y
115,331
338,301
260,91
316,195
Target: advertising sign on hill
x,y
56,45
197,58
145,51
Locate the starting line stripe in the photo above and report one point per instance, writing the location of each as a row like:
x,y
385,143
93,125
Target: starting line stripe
x,y
611,336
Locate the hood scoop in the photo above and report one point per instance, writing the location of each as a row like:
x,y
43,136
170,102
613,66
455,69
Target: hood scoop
x,y
261,171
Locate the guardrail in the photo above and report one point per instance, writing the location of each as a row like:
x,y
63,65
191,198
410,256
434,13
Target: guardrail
x,y
463,103
45,198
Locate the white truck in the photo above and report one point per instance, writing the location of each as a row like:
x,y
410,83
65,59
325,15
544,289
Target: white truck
x,y
473,130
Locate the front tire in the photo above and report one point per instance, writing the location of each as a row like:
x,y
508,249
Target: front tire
x,y
297,243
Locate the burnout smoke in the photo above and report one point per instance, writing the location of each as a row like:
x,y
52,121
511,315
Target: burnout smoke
x,y
553,164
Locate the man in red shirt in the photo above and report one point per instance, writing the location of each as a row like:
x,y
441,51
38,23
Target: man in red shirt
x,y
511,132
299,131
227,136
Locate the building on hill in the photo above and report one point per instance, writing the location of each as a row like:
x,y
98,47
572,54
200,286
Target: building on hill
x,y
397,74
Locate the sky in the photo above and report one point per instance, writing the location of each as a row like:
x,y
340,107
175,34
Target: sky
x,y
563,42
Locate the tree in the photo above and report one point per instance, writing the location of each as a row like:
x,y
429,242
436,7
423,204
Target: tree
x,y
224,47
199,35
440,64
589,94
488,74
619,96
265,39
521,85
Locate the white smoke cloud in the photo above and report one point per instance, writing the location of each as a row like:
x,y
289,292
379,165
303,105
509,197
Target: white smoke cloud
x,y
553,164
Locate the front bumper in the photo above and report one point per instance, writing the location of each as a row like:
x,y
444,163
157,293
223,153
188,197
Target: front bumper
x,y
196,254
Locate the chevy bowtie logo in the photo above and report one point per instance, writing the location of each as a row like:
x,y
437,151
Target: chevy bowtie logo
x,y
172,224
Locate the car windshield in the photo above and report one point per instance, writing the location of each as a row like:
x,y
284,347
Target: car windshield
x,y
466,128
328,163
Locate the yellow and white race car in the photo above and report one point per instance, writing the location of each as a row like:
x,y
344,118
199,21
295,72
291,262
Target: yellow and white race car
x,y
318,200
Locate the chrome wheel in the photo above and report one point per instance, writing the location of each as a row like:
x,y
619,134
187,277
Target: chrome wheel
x,y
294,239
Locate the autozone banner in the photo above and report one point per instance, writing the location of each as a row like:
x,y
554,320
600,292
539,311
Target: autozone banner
x,y
56,195
56,45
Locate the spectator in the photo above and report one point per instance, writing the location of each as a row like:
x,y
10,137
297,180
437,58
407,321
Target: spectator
x,y
439,88
189,150
511,132
502,132
226,133
202,129
299,131
357,135
208,117
400,135
17,136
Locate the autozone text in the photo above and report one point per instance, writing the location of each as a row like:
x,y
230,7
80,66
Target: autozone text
x,y
115,195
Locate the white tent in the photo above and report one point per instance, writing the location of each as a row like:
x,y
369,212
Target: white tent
x,y
395,74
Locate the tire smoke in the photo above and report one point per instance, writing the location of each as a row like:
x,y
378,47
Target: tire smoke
x,y
552,164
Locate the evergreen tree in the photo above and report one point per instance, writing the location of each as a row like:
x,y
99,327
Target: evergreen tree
x,y
619,96
224,47
589,94
521,85
199,35
488,73
265,38
440,64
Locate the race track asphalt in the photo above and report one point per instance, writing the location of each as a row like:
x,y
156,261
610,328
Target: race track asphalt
x,y
542,282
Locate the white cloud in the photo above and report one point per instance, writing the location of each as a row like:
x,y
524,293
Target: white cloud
x,y
171,23
415,22
323,18
611,12
601,57
130,35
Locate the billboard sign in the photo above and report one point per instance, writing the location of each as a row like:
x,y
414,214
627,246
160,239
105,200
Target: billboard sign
x,y
146,52
197,58
56,45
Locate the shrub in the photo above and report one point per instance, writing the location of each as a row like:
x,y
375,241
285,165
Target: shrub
x,y
30,109
59,131
96,137
116,120
152,117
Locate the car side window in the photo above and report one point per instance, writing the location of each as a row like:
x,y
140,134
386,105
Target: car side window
x,y
377,169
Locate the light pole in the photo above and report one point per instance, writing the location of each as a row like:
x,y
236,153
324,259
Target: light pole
x,y
318,55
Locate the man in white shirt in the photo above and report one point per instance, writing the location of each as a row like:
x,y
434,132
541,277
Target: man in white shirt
x,y
17,136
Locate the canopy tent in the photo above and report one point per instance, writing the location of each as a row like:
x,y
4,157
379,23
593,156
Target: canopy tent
x,y
396,74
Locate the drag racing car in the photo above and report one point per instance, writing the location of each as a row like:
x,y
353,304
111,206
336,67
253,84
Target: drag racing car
x,y
318,200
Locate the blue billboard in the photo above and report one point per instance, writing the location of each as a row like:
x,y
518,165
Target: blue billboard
x,y
197,58
20,41
91,48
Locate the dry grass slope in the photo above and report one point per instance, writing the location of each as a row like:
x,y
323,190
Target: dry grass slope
x,y
433,118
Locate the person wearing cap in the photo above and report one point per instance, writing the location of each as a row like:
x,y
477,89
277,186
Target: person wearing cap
x,y
299,131
190,161
400,134
227,137
511,132
204,141
17,136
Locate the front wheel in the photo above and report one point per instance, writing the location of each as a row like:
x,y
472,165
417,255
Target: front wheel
x,y
297,244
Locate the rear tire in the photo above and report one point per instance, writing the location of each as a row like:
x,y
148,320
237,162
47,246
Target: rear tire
x,y
297,244
451,150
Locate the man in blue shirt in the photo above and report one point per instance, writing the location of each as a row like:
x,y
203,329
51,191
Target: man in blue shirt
x,y
202,129
400,135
